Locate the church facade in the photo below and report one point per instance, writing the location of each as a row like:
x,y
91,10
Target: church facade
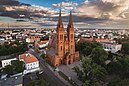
x,y
61,49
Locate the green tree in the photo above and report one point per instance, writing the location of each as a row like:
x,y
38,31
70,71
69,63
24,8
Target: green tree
x,y
16,42
98,73
12,49
87,83
119,82
45,38
110,55
3,51
8,49
93,72
87,51
43,56
22,47
18,66
119,67
86,48
8,69
125,48
99,56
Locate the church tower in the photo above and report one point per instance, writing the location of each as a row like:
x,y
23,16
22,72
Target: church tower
x,y
70,35
62,47
60,38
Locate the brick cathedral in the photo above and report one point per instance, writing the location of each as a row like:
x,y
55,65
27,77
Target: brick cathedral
x,y
61,49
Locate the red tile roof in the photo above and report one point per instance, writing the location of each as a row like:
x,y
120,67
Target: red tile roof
x,y
102,40
28,58
94,40
14,45
86,39
43,42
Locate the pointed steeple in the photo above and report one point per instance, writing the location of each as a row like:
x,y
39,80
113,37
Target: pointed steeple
x,y
70,19
60,19
60,24
70,24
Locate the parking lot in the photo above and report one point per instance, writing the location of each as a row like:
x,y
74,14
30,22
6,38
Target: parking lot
x,y
12,81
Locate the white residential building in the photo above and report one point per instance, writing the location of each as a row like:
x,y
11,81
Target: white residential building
x,y
113,47
28,40
43,44
7,62
32,39
31,62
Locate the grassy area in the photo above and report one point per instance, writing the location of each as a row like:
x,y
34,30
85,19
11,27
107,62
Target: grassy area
x,y
67,79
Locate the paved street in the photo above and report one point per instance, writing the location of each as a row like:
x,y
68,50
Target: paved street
x,y
48,75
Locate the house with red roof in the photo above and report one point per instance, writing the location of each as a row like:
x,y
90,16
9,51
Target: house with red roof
x,y
41,44
31,62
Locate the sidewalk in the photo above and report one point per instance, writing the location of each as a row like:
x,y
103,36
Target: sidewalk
x,y
56,73
69,72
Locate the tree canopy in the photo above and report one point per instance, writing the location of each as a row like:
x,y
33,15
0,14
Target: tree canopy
x,y
99,67
15,67
125,48
99,55
45,38
86,48
8,49
92,73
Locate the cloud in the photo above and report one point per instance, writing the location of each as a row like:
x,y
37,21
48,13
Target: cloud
x,y
15,9
12,3
65,5
41,8
111,9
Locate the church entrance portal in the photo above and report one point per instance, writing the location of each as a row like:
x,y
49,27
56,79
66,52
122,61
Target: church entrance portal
x,y
69,62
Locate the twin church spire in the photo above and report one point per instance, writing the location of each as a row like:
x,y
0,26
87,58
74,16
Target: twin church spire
x,y
60,23
62,37
64,49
